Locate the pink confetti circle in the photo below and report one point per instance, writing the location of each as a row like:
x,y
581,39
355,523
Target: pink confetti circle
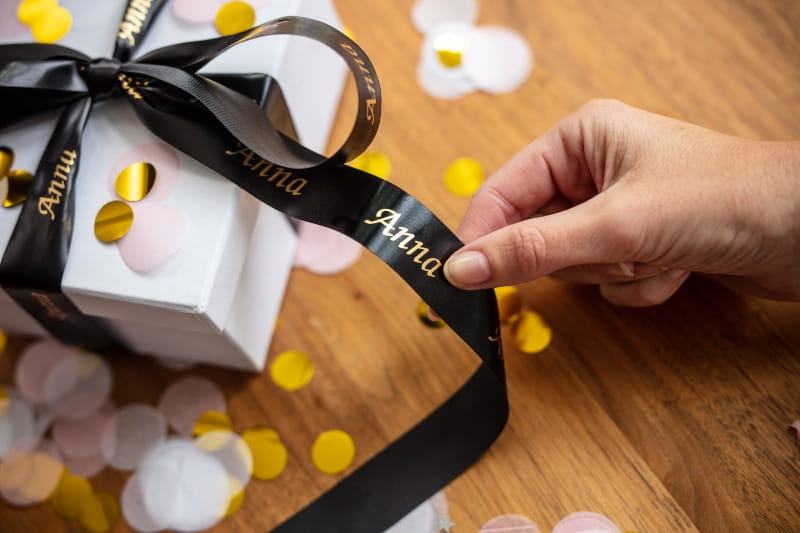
x,y
196,11
158,232
509,523
186,399
29,476
323,250
87,437
138,428
35,365
85,466
585,522
162,156
78,385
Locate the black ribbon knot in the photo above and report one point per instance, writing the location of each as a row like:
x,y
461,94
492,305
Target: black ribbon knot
x,y
225,129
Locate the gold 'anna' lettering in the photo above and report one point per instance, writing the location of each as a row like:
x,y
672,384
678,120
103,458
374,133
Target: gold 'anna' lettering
x,y
49,306
367,75
132,22
278,176
58,183
389,219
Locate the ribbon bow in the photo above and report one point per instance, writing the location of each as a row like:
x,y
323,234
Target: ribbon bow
x,y
230,134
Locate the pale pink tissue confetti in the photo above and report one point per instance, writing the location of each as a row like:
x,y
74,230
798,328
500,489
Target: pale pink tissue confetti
x,y
35,365
164,159
509,523
186,399
159,230
323,250
202,11
87,437
585,522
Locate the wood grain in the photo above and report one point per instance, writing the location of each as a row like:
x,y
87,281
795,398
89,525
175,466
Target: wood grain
x,y
671,419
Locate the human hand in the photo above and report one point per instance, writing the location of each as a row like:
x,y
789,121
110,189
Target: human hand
x,y
634,202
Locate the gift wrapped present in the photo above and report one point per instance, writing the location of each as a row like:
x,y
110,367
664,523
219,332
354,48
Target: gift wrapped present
x,y
201,268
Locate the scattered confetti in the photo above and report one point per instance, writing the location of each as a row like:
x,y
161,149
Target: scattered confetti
x,y
464,176
87,467
376,163
585,522
51,27
113,221
237,499
99,513
324,251
422,314
509,303
234,455
85,437
159,232
427,14
234,17
29,11
499,59
195,11
161,156
186,399
269,453
291,370
30,477
450,48
36,363
212,421
440,81
17,423
71,495
333,451
135,181
137,429
14,186
78,385
509,523
529,332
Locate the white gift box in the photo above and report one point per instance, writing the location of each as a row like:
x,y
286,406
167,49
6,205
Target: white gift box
x,y
215,300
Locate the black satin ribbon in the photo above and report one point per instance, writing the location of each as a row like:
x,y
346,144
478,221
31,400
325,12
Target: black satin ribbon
x,y
230,134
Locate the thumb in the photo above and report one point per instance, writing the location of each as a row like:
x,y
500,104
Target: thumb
x,y
535,247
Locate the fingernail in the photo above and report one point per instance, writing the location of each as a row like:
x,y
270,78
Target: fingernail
x,y
675,273
627,268
466,269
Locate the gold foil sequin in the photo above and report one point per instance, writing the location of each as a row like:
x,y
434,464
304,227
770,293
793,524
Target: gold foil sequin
x,y
292,370
28,11
509,302
333,451
450,48
113,221
376,163
529,332
54,24
269,453
464,176
18,184
135,181
234,17
6,160
422,314
71,495
237,499
212,421
99,513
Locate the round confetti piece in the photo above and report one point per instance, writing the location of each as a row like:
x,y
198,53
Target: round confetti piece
x,y
88,437
137,429
324,251
529,332
509,523
427,14
195,11
212,421
436,79
134,509
499,59
99,513
333,451
234,17
3,341
135,181
71,495
237,499
450,48
16,186
17,424
35,365
161,156
422,314
269,453
188,398
160,231
6,159
464,176
87,467
52,26
376,163
291,370
28,11
509,302
231,451
585,522
113,221
78,385
30,477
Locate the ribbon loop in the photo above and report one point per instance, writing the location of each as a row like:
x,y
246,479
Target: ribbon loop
x,y
101,76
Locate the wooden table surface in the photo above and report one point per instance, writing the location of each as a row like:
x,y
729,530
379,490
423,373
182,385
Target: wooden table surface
x,y
669,419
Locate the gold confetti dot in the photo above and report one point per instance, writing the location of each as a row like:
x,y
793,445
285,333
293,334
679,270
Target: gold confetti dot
x,y
99,513
29,11
234,17
6,160
464,176
376,163
135,181
509,302
292,370
113,221
237,499
3,344
52,26
71,495
529,332
269,453
333,451
422,314
450,48
212,421
17,185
